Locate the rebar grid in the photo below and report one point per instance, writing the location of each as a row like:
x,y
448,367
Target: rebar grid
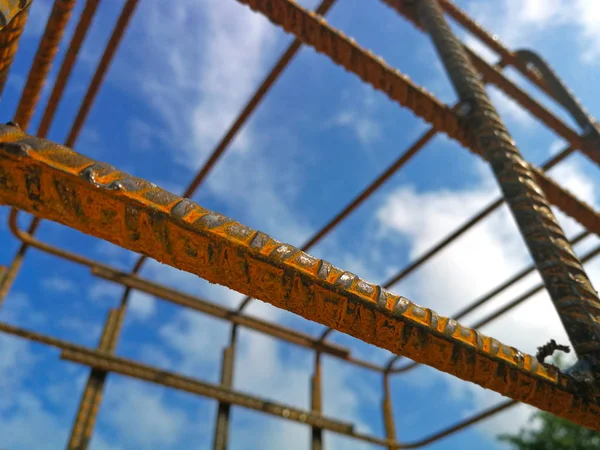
x,y
55,183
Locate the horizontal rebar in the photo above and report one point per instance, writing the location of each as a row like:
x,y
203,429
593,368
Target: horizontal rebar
x,y
58,184
316,32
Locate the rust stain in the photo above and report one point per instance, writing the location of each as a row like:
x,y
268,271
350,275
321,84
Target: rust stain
x,y
264,268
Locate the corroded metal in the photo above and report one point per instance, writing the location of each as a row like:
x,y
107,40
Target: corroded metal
x,y
9,43
84,24
47,119
363,196
491,41
105,61
61,185
217,311
388,413
195,303
80,434
55,28
564,277
10,9
567,98
492,316
316,403
109,363
316,32
494,76
221,436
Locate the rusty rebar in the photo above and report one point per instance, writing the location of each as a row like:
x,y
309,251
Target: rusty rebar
x,y
63,186
316,32
9,9
47,119
316,402
10,36
64,74
564,277
42,62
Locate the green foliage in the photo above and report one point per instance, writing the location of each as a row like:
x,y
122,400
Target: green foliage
x,y
553,433
548,432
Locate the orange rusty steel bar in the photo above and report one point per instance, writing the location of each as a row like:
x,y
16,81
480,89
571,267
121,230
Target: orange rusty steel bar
x,y
388,414
103,66
49,113
64,345
9,43
316,32
205,307
9,9
55,28
60,185
570,289
83,26
135,282
316,403
216,154
109,363
556,159
497,313
81,435
494,76
103,363
363,196
254,101
221,434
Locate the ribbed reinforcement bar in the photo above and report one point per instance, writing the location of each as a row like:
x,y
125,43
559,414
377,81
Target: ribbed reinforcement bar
x,y
9,43
9,9
494,76
58,184
566,281
316,32
55,28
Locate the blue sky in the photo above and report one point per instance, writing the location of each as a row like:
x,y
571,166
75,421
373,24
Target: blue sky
x,y
317,139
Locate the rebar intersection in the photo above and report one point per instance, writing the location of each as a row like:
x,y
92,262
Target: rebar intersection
x,y
55,183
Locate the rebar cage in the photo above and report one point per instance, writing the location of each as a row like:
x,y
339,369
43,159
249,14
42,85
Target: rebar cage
x,y
52,182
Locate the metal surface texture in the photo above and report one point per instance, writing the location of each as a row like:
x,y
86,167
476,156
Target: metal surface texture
x,y
317,33
9,9
42,63
590,147
566,281
60,185
10,36
53,182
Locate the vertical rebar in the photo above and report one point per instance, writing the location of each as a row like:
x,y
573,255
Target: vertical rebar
x,y
80,434
564,276
316,403
388,413
221,437
9,43
55,28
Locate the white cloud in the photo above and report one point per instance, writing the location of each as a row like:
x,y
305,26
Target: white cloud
x,y
59,284
142,306
359,118
142,417
510,111
486,256
519,21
